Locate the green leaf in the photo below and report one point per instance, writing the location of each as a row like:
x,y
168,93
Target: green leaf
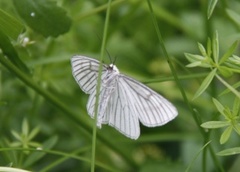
x,y
194,64
33,133
193,57
211,7
234,63
215,47
16,135
34,144
219,106
11,169
229,52
209,47
234,91
237,128
235,60
9,25
234,16
11,53
35,156
236,85
25,127
231,151
196,60
236,107
205,83
215,124
202,49
196,156
43,16
225,71
226,134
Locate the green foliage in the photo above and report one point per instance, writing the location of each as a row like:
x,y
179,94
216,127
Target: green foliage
x,y
43,17
24,138
44,125
210,59
10,25
232,120
211,6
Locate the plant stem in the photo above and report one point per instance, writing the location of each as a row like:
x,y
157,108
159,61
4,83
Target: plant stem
x,y
94,140
228,86
204,134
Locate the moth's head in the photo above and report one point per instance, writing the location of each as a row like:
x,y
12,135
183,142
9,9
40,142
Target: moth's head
x,y
113,68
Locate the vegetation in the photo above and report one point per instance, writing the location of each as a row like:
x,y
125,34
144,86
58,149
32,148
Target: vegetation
x,y
187,51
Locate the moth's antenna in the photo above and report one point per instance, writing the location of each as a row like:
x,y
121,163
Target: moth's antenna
x,y
109,56
115,59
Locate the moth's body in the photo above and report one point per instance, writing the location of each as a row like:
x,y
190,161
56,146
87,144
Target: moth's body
x,y
123,101
109,83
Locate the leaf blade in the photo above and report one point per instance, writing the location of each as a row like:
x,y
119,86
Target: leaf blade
x,y
205,83
39,14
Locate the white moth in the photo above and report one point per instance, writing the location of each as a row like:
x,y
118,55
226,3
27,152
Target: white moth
x,y
123,101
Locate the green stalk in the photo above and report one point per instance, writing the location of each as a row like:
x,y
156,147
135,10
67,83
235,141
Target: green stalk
x,y
204,134
98,10
234,91
94,140
67,113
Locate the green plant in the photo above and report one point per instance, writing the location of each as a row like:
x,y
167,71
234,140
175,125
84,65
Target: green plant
x,y
37,40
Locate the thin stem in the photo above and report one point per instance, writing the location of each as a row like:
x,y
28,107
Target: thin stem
x,y
204,134
171,78
97,10
172,67
67,113
94,140
228,86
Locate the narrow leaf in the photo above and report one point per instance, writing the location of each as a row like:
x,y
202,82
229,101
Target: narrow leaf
x,y
236,107
236,85
225,71
235,59
16,135
196,156
215,47
226,134
194,64
231,151
219,106
214,124
205,83
202,49
234,16
193,57
234,91
35,156
237,128
209,47
33,133
11,169
25,127
229,52
211,7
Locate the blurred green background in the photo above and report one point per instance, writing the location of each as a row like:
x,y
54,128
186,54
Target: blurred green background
x,y
42,36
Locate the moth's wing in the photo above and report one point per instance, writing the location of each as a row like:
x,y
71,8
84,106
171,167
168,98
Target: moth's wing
x,y
120,112
151,108
91,105
85,72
